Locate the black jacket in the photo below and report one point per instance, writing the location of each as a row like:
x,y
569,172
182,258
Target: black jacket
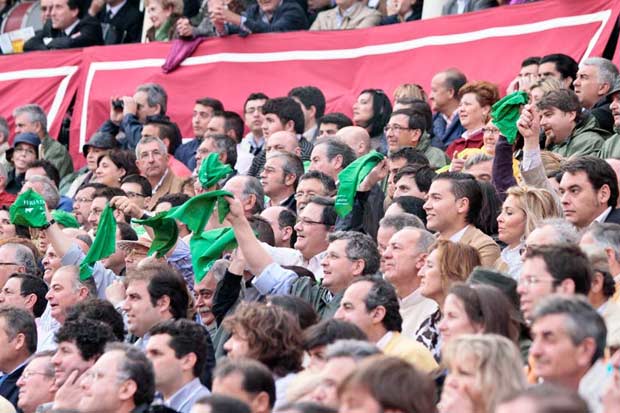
x,y
289,16
9,389
86,33
124,27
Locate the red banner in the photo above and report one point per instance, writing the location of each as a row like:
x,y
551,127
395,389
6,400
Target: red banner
x,y
486,45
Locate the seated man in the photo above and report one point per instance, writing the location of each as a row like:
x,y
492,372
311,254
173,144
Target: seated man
x,y
264,17
331,123
25,291
70,27
348,14
36,384
170,134
459,7
312,102
247,380
595,78
121,20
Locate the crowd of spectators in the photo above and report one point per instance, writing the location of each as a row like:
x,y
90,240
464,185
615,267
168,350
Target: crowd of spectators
x,y
442,250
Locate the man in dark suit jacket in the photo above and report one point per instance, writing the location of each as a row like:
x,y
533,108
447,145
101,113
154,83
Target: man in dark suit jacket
x,y
18,341
121,21
67,28
452,7
265,17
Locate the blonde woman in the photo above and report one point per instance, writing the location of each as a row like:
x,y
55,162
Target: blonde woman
x,y
447,263
523,210
482,370
163,15
538,89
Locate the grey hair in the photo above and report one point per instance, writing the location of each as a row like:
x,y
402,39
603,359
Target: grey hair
x,y
566,232
218,269
23,256
4,128
50,192
582,321
77,283
253,187
155,95
35,114
3,172
425,241
607,71
137,367
225,144
334,147
292,164
19,321
400,221
359,247
476,159
355,349
149,139
606,235
49,367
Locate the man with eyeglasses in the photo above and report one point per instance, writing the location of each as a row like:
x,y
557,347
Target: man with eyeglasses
x,y
552,269
82,202
152,160
18,341
407,128
313,183
36,384
15,257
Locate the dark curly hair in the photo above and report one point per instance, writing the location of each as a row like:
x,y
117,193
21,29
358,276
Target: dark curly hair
x,y
89,336
273,335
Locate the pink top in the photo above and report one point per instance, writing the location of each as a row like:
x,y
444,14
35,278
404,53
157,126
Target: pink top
x,y
178,168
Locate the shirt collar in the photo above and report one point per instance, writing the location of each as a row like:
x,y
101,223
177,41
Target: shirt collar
x,y
114,9
383,342
457,237
161,181
69,29
601,218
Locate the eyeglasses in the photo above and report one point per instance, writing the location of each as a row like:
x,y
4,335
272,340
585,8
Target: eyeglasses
x,y
82,200
305,221
492,131
131,194
302,194
530,280
25,150
28,374
395,128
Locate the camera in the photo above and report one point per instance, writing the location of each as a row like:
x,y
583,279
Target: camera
x,y
117,104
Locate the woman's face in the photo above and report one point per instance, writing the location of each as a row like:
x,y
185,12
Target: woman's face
x,y
430,277
472,115
463,378
92,156
511,222
490,137
7,230
455,322
23,155
157,13
362,109
108,173
535,95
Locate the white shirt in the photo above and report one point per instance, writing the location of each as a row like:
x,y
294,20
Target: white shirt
x,y
601,218
244,159
457,237
512,257
69,29
384,340
314,265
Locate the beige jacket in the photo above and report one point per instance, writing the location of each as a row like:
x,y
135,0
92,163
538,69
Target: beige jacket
x,y
359,18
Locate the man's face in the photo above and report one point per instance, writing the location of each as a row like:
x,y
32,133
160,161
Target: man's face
x,y
337,267
200,119
62,16
306,189
353,309
399,135
333,374
23,124
141,314
46,10
152,162
271,124
134,193
587,86
253,116
401,259
383,238
205,148
81,206
549,69
7,230
581,203
483,171
440,206
150,130
216,126
311,232
10,294
268,6
440,95
237,345
165,363
282,142
327,129
101,386
406,186
204,291
535,283
62,294
96,208
35,385
529,72
8,351
68,359
556,358
144,109
232,386
394,166
320,162
38,171
272,215
556,124
615,108
8,264
272,178
51,262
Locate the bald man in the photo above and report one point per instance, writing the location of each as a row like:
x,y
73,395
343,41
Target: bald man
x,y
357,138
283,141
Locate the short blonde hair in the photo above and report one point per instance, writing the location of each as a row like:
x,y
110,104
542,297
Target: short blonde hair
x,y
177,5
536,203
552,162
410,90
456,261
497,363
547,84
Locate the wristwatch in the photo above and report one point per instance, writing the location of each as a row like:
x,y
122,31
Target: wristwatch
x,y
49,224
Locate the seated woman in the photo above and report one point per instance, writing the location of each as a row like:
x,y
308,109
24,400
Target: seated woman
x,y
24,151
400,11
447,263
113,166
482,371
372,112
163,15
265,16
348,14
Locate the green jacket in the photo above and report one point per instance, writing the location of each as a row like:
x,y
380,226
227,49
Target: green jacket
x,y
435,156
57,154
587,139
319,297
611,147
